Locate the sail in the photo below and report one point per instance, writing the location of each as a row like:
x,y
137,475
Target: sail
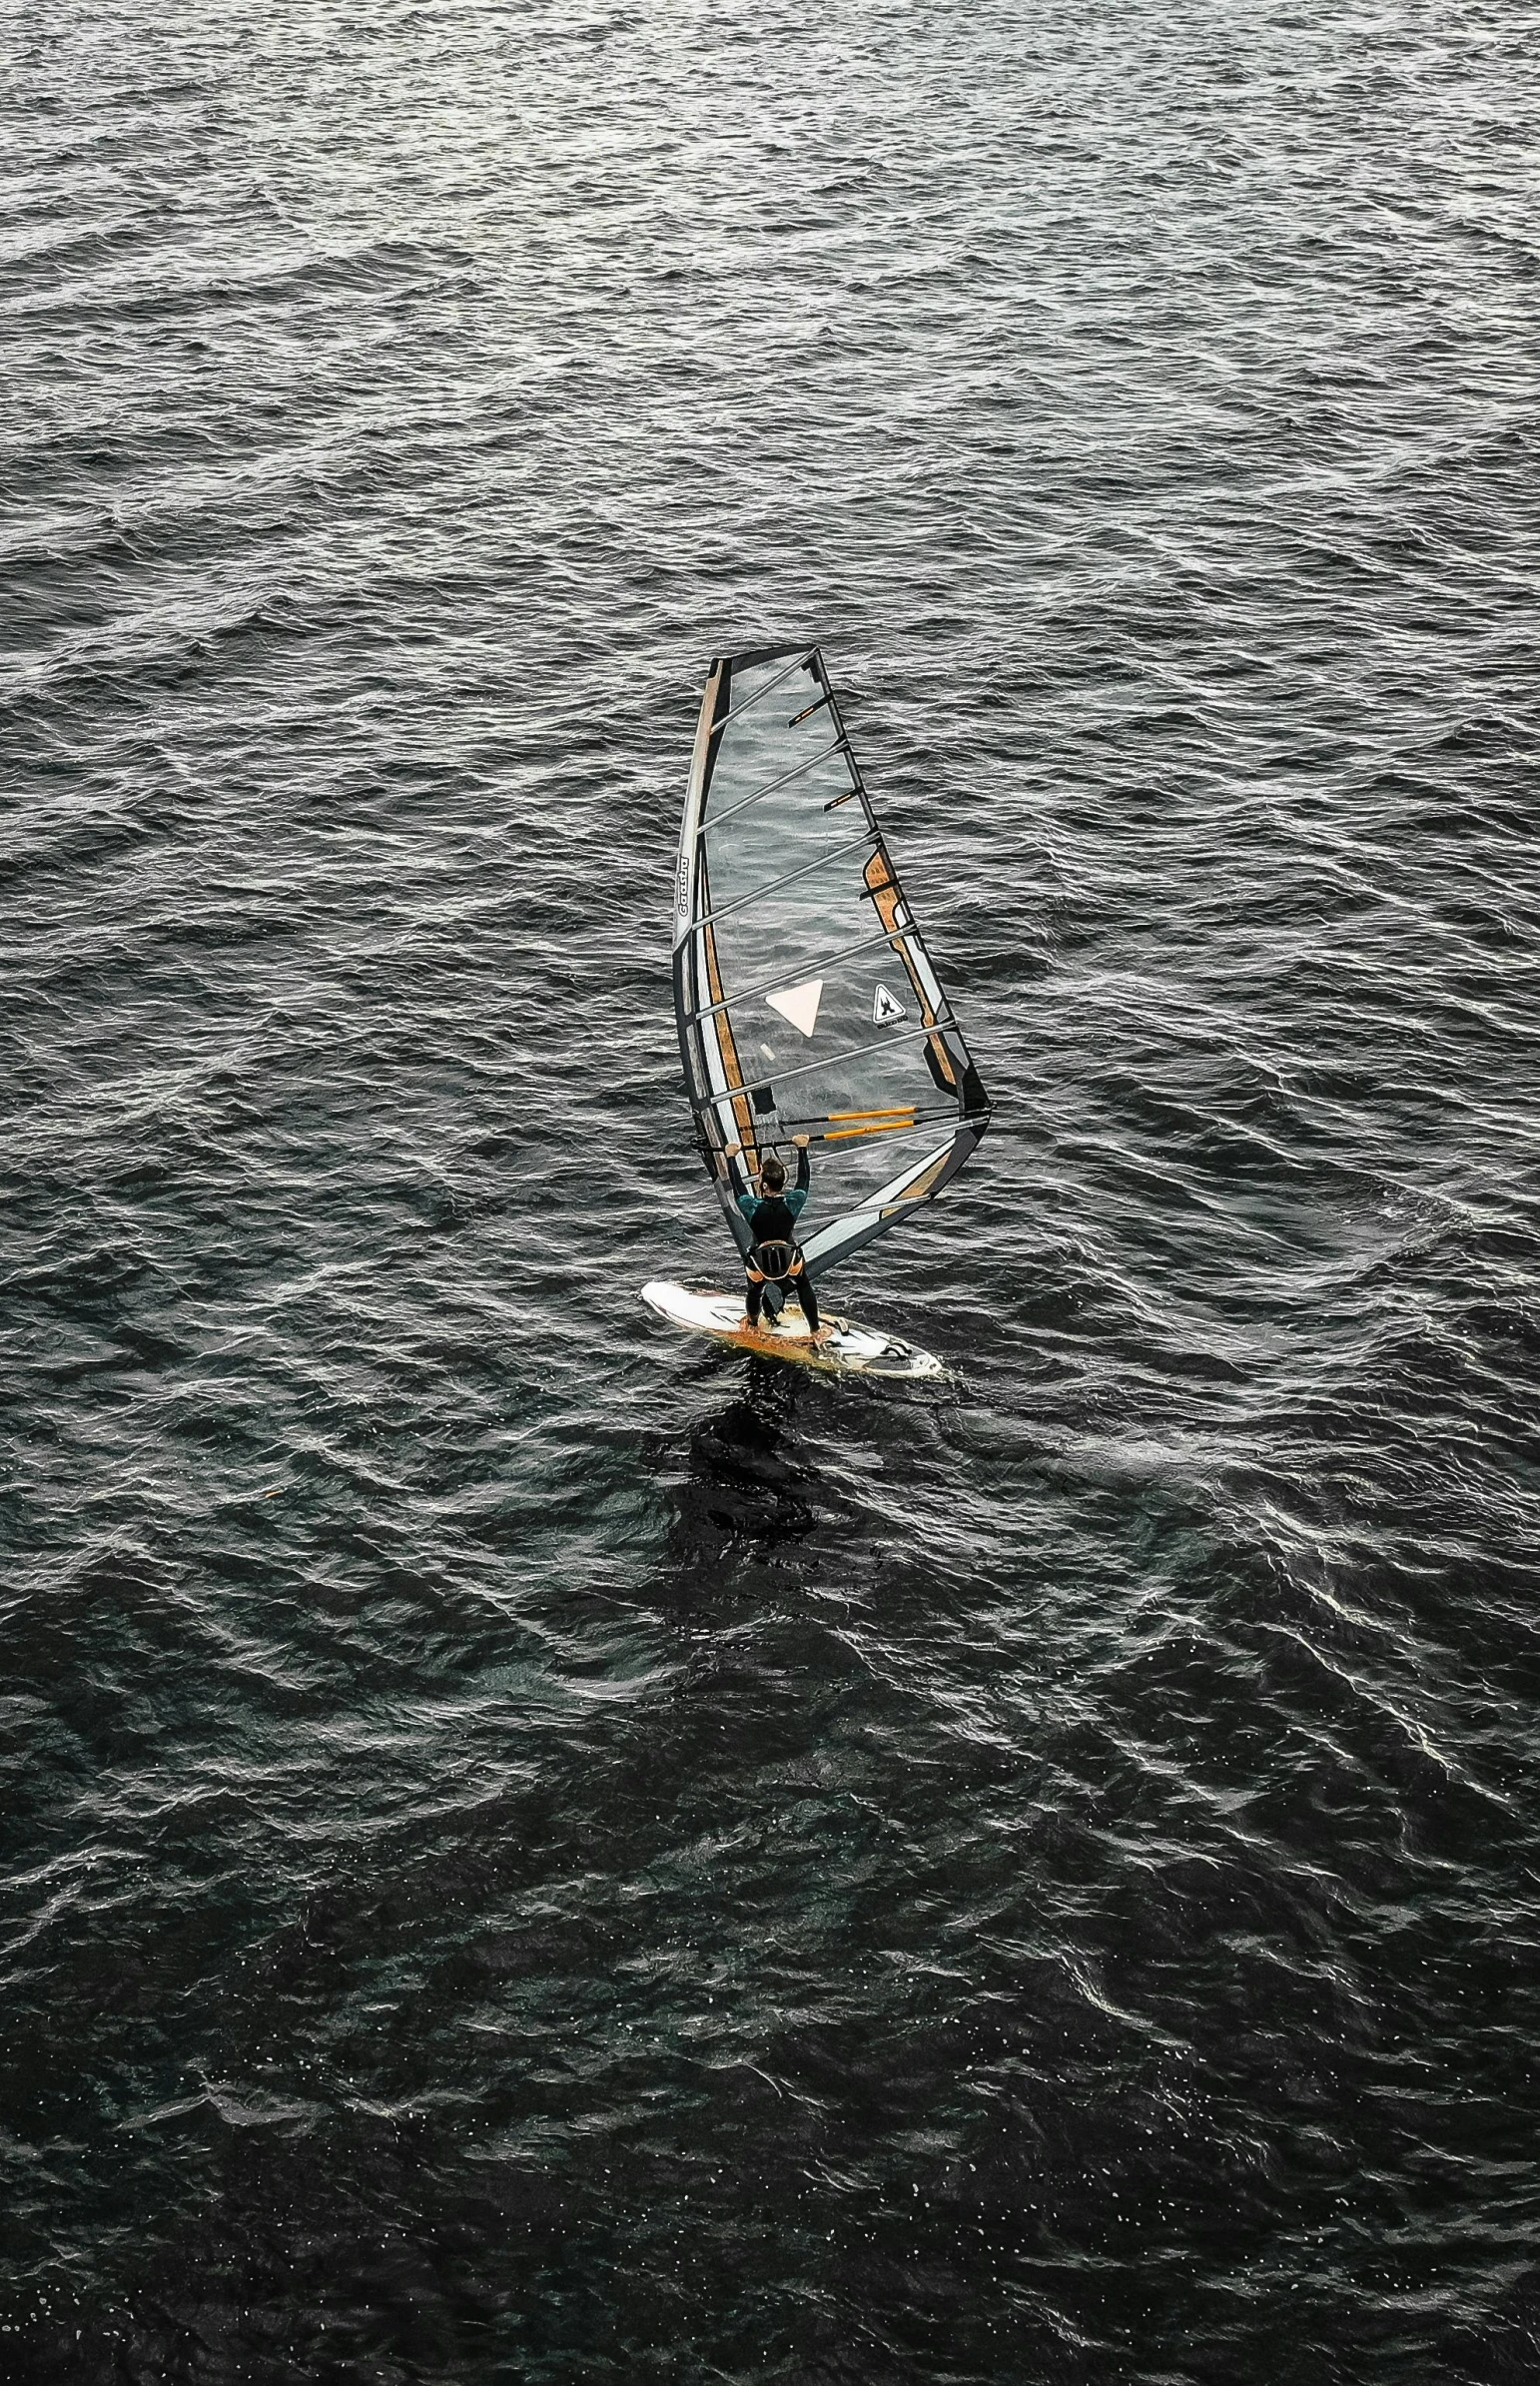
x,y
807,1002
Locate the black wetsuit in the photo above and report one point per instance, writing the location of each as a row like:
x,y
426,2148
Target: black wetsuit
x,y
773,1220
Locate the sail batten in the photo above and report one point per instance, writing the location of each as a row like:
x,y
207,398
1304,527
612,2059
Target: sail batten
x,y
791,938
833,1059
776,785
757,894
805,656
828,962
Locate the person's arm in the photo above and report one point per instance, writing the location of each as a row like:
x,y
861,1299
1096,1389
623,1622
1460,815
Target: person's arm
x,y
796,1199
747,1200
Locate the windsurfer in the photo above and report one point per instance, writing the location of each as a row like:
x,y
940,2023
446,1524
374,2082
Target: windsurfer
x,y
772,1214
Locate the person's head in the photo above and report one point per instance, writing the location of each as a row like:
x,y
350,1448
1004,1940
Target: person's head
x,y
772,1175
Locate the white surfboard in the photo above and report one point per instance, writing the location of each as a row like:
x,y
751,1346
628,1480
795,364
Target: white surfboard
x,y
848,1349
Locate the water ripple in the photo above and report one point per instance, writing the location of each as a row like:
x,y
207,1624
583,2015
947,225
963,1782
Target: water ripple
x,y
534,1852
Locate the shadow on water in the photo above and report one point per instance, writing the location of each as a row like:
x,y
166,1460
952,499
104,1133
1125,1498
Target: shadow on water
x,y
748,1477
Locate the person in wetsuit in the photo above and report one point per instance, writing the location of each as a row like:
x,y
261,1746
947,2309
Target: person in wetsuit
x,y
772,1214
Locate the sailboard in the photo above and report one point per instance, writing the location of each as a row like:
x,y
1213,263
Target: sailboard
x,y
844,1347
806,1000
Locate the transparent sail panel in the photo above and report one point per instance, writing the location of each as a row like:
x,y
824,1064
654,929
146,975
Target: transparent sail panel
x,y
808,1002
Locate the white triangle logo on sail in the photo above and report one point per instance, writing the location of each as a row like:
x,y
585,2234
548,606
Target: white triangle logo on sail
x,y
799,1003
886,1007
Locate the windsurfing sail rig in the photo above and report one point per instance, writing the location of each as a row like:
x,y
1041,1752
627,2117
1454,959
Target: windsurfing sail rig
x,y
807,1002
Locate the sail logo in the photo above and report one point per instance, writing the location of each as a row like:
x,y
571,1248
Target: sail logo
x,y
886,1008
799,1003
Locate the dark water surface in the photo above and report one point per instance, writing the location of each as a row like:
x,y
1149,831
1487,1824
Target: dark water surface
x,y
535,1852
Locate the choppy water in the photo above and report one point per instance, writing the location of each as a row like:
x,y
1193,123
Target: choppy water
x,y
533,1853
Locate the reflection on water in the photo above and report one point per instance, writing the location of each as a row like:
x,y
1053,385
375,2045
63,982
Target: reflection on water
x,y
748,1476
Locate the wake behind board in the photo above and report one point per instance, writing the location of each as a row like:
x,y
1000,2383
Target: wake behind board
x,y
851,1349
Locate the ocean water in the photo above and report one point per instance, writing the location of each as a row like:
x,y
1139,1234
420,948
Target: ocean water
x,y
538,1851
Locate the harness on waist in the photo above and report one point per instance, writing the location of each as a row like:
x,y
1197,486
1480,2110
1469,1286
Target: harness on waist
x,y
773,1225
773,1252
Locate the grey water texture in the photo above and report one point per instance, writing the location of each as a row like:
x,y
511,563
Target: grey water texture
x,y
538,1852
